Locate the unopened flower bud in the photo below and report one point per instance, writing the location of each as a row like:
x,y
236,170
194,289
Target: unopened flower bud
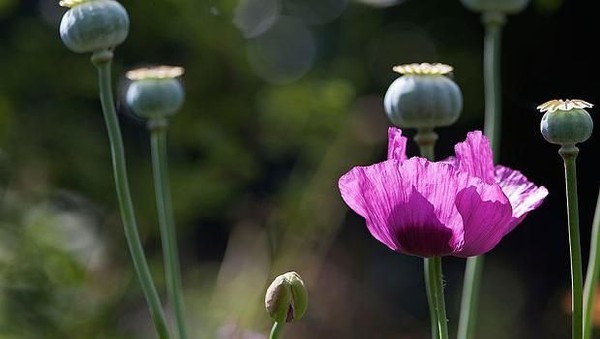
x,y
498,6
566,122
286,299
423,96
155,92
93,25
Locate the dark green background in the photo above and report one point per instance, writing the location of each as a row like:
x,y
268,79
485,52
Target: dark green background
x,y
255,162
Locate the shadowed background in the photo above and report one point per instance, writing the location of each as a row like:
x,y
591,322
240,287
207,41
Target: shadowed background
x,y
283,96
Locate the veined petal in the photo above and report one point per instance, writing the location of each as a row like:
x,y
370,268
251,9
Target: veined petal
x,y
370,192
524,196
486,214
408,206
429,223
474,156
396,144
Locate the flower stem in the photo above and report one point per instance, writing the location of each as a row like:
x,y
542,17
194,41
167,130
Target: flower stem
x,y
492,85
569,155
493,23
276,330
428,269
426,139
470,296
437,285
102,61
158,135
591,278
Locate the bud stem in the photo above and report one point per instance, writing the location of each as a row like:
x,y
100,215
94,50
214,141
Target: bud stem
x,y
276,330
158,135
102,61
591,278
569,155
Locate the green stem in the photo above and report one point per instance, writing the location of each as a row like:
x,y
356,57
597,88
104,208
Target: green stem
x,y
437,284
569,155
158,134
102,61
591,278
428,269
491,76
426,139
493,23
470,296
276,330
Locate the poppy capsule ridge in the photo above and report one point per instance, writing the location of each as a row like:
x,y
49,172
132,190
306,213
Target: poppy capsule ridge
x,y
424,96
155,92
93,25
566,122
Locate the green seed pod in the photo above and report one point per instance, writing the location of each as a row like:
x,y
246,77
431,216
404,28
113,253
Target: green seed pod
x,y
501,6
93,25
423,97
566,122
286,299
155,93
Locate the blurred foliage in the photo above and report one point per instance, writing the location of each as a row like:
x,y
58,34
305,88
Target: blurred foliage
x,y
283,96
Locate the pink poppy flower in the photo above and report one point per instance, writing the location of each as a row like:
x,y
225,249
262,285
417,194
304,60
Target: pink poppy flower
x,y
461,206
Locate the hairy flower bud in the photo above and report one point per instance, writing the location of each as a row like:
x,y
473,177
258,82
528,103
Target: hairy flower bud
x,y
155,92
566,122
93,25
424,96
286,299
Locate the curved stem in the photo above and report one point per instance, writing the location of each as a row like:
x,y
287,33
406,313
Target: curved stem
x,y
569,155
437,284
425,139
158,135
276,330
591,278
102,61
493,23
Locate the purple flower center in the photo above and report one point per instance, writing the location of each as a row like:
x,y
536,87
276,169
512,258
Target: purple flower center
x,y
425,236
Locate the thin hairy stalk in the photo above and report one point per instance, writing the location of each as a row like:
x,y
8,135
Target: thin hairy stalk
x,y
166,221
103,61
569,155
437,284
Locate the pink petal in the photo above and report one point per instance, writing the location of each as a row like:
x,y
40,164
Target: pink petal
x,y
408,206
474,156
486,214
524,196
370,192
396,144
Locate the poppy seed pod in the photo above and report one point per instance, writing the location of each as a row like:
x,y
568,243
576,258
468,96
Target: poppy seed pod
x,y
501,6
423,97
566,122
286,299
93,25
155,92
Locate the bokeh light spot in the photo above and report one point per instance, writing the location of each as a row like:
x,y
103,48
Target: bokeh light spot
x,y
284,53
254,17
